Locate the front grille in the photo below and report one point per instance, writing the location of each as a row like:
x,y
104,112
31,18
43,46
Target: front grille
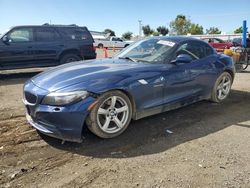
x,y
30,98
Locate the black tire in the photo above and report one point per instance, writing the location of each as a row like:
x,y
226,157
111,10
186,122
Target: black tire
x,y
100,46
126,45
218,84
68,58
244,60
245,66
93,120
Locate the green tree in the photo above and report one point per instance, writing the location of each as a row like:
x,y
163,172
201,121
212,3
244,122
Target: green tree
x,y
180,25
112,33
127,35
156,33
196,29
147,30
238,30
162,30
213,30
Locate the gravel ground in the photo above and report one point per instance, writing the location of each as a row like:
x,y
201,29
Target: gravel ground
x,y
209,146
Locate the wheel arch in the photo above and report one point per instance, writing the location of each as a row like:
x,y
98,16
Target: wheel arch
x,y
70,51
131,98
126,92
230,72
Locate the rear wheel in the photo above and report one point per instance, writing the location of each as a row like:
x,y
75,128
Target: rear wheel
x,y
111,115
222,87
67,58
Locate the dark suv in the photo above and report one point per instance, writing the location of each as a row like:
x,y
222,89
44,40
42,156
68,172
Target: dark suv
x,y
46,45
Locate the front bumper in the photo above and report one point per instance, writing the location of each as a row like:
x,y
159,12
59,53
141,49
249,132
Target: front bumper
x,y
63,122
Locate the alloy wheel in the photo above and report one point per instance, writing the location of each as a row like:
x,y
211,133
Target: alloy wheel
x,y
113,114
224,87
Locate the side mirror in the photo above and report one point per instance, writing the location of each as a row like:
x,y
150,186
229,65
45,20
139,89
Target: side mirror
x,y
5,39
183,58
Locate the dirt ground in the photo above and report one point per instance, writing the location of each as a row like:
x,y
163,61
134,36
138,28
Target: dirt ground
x,y
209,146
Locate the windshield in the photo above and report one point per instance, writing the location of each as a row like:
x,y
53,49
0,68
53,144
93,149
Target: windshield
x,y
152,50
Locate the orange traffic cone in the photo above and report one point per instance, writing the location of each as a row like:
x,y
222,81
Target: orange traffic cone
x,y
105,52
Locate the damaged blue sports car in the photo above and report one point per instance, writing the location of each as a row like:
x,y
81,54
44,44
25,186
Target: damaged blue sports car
x,y
148,77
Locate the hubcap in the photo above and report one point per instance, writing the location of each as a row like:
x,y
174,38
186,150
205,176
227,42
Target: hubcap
x,y
224,87
113,114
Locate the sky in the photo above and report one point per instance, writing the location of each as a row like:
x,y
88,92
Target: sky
x,y
122,16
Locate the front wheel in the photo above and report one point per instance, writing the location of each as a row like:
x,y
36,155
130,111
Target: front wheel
x,y
111,115
222,87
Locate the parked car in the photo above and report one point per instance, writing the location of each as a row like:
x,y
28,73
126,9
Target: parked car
x,y
238,42
45,45
151,76
218,44
111,42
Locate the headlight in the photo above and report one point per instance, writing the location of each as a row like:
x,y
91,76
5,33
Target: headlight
x,y
58,99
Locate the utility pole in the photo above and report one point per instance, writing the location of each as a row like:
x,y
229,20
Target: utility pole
x,y
140,27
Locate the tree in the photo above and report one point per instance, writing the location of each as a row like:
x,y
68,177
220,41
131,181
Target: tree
x,y
238,30
127,35
180,25
162,30
147,30
156,33
112,33
213,30
196,29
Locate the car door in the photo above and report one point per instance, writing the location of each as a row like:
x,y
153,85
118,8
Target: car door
x,y
17,52
177,83
186,82
201,70
48,44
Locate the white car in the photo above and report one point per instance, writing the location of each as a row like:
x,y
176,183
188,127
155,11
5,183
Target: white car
x,y
111,42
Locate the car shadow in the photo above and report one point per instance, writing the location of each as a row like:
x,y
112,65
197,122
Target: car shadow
x,y
152,135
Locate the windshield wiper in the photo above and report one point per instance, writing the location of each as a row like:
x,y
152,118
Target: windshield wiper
x,y
128,58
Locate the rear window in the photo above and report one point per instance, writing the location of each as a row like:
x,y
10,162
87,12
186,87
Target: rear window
x,y
76,33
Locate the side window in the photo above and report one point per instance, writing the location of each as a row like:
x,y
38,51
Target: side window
x,y
21,35
216,41
208,49
46,34
196,50
188,49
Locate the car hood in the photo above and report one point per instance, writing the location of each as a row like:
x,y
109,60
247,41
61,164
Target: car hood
x,y
86,72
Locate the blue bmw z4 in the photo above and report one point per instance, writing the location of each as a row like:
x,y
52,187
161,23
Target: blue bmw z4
x,y
148,77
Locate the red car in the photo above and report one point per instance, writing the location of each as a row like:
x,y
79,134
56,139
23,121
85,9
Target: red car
x,y
218,44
